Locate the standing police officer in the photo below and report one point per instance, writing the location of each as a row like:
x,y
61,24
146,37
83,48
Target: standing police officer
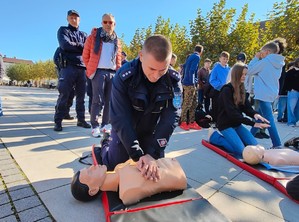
x,y
143,108
72,73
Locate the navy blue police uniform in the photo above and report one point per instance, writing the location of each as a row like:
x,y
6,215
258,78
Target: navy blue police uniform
x,y
143,115
72,72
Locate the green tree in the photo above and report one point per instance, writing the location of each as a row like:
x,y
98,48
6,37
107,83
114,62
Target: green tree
x,y
283,22
136,43
19,72
245,36
212,31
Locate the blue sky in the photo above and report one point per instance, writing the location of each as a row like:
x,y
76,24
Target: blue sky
x,y
29,28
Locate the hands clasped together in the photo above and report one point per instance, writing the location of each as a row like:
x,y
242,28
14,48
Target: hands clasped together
x,y
148,168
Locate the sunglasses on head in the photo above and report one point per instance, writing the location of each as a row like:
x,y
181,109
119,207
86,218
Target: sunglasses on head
x,y
109,22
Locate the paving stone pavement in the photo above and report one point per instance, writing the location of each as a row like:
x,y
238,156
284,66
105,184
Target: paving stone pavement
x,y
49,160
18,199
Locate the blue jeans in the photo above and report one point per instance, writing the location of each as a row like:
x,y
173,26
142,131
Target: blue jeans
x,y
282,105
293,107
265,109
234,139
200,96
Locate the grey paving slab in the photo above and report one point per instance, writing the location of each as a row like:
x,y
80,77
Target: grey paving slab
x,y
239,211
17,185
73,210
21,193
33,214
13,178
2,188
10,218
5,210
11,171
47,219
4,199
4,156
27,203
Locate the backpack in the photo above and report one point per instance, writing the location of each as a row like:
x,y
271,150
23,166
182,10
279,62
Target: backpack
x,y
201,117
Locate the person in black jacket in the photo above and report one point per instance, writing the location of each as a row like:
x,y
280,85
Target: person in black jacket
x,y
232,104
72,71
144,104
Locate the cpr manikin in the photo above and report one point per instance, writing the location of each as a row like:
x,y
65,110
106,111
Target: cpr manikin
x,y
128,180
275,157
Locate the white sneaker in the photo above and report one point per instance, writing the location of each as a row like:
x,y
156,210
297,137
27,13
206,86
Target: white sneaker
x,y
95,132
106,128
210,132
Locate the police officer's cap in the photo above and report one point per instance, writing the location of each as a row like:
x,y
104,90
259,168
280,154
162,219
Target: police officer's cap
x,y
70,12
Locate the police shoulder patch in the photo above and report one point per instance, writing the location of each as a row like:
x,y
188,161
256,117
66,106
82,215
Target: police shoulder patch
x,y
126,73
174,74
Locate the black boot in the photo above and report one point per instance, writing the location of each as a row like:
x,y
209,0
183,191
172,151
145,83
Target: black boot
x,y
57,127
83,124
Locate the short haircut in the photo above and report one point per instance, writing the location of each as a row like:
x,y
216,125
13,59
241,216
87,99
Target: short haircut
x,y
198,48
224,54
108,14
158,46
272,47
208,60
80,191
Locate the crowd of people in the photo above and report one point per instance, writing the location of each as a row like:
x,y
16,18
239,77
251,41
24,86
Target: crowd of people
x,y
144,99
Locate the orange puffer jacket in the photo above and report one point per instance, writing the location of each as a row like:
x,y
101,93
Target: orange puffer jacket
x,y
91,59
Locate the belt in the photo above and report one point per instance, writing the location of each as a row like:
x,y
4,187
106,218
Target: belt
x,y
109,70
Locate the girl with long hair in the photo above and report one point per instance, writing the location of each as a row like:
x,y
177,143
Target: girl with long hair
x,y
232,102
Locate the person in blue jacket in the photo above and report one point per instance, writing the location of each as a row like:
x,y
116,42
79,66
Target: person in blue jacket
x,y
144,104
72,71
190,87
217,79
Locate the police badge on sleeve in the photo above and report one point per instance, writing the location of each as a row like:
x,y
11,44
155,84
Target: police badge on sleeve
x,y
177,100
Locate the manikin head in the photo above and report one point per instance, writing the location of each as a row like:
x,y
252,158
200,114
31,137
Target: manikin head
x,y
253,154
86,183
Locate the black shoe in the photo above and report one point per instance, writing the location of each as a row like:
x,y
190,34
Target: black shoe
x,y
68,117
259,135
291,142
83,124
265,135
57,127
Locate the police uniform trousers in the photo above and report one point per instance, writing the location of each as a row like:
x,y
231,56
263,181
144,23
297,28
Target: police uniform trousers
x,y
72,78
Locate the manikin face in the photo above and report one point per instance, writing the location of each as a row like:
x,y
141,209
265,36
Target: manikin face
x,y
259,150
93,177
253,154
73,20
152,68
108,24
